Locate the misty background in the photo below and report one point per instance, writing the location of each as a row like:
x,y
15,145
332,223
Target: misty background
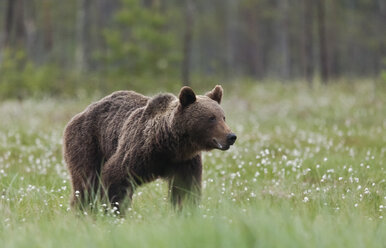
x,y
58,47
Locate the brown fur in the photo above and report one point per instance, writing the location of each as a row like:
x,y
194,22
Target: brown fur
x,y
127,139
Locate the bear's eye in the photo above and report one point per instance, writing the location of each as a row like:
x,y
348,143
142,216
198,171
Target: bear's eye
x,y
223,118
212,118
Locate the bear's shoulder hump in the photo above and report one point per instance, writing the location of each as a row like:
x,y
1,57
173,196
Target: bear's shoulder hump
x,y
159,103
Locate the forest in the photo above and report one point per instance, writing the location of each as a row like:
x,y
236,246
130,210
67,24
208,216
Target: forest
x,y
57,47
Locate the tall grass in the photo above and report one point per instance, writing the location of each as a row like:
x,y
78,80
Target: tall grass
x,y
307,170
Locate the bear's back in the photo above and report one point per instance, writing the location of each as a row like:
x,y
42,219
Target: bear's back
x,y
108,116
117,108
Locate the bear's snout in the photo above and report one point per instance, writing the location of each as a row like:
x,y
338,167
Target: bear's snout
x,y
231,138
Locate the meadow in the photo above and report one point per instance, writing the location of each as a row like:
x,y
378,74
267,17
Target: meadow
x,y
308,170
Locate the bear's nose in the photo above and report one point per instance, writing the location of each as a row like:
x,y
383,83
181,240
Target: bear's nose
x,y
231,138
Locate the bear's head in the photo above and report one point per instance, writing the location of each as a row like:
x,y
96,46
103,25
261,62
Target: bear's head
x,y
203,119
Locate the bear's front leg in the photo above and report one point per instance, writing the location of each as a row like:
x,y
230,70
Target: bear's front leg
x,y
116,185
185,183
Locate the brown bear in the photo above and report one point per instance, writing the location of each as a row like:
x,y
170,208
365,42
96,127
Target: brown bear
x,y
127,139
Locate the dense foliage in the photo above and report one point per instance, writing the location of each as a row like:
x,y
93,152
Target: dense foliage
x,y
109,44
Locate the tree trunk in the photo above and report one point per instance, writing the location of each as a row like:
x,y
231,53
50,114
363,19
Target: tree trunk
x,y
251,49
284,65
14,24
333,49
308,40
231,26
9,16
382,38
31,31
148,3
187,46
82,55
105,11
48,31
322,41
19,24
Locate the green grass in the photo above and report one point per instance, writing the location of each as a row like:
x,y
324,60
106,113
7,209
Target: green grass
x,y
308,170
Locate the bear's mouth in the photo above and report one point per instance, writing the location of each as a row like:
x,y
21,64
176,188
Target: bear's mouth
x,y
219,146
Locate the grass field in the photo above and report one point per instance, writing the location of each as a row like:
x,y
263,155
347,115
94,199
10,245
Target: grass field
x,y
308,170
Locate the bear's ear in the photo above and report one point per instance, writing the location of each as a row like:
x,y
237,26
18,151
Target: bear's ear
x,y
215,94
186,96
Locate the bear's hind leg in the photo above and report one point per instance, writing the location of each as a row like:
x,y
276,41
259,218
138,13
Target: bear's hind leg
x,y
84,161
117,188
85,190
